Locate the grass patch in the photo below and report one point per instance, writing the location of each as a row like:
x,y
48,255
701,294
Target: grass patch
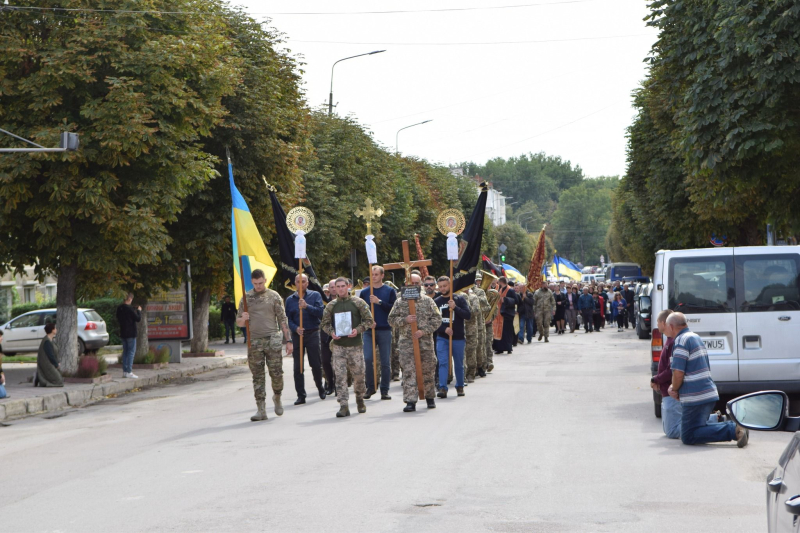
x,y
19,359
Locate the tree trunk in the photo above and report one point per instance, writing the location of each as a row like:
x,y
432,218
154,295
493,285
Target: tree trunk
x,y
202,303
67,319
142,344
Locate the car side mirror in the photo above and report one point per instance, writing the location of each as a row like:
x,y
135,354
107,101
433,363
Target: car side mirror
x,y
763,411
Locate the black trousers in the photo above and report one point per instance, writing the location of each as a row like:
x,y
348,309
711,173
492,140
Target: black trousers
x,y
586,314
327,359
230,328
311,348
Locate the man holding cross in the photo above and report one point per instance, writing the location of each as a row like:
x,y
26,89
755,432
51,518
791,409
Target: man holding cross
x,y
427,319
459,308
383,298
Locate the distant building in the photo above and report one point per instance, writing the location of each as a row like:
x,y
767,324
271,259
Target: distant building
x,y
27,287
495,201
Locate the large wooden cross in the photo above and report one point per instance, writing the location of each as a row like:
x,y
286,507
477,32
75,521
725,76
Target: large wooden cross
x,y
408,265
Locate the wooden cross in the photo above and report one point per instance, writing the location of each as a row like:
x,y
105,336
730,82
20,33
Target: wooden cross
x,y
369,214
407,265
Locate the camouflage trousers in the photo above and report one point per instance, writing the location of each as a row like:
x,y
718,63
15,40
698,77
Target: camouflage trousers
x,y
543,323
409,365
349,359
395,354
471,354
489,339
480,349
258,354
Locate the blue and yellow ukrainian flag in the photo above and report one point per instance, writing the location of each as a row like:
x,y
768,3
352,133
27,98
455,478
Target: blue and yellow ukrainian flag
x,y
513,274
566,268
247,244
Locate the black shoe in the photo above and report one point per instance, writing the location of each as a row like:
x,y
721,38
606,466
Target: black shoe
x,y
497,353
300,401
234,341
410,407
431,403
442,393
509,352
226,342
322,393
481,372
385,396
460,391
369,394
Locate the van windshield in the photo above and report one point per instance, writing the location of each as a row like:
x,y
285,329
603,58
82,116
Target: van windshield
x,y
701,285
767,283
624,271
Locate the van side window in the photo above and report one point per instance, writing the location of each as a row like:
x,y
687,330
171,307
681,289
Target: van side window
x,y
701,285
767,283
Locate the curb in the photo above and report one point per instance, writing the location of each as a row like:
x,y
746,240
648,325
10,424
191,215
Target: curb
x,y
77,397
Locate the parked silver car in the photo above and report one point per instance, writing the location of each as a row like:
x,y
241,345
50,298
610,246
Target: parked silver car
x,y
25,332
769,411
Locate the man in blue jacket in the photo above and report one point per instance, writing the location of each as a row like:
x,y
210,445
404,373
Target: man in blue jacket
x,y
312,307
383,298
586,307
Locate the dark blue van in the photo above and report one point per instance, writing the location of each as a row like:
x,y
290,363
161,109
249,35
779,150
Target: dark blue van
x,y
617,271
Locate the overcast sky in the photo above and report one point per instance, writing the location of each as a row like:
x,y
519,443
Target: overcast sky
x,y
570,96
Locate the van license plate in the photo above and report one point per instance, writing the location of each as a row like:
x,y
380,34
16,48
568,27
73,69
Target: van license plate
x,y
715,345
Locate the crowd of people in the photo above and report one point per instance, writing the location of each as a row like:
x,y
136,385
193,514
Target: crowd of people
x,y
452,332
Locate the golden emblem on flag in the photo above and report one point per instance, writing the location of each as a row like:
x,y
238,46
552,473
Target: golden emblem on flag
x,y
300,218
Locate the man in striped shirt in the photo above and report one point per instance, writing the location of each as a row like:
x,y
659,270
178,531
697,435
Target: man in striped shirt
x,y
693,386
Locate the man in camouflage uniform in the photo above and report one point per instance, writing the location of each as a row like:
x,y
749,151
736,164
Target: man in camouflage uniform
x,y
544,303
428,320
471,327
348,351
484,312
268,327
492,297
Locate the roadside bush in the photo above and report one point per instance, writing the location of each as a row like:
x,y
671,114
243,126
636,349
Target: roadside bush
x,y
21,309
90,366
216,329
152,356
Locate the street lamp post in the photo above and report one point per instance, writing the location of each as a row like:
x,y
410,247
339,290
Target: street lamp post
x,y
330,96
397,135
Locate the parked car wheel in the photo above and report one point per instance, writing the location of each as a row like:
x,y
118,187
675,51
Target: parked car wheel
x,y
657,403
81,347
639,330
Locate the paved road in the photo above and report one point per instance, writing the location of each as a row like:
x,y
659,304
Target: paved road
x,y
560,438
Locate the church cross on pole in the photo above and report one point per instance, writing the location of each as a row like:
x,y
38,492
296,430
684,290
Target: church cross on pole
x,y
408,265
369,214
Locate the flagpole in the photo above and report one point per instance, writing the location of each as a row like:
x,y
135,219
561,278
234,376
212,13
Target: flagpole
x,y
372,333
244,303
300,294
452,330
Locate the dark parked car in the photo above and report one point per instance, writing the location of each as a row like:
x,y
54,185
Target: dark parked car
x,y
769,411
642,308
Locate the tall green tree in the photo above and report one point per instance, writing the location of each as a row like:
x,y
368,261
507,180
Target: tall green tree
x,y
582,219
141,89
714,147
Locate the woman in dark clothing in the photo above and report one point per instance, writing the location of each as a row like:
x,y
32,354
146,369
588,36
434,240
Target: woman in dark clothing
x,y
47,374
508,310
561,311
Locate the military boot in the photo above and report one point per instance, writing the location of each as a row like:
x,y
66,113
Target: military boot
x,y
410,407
460,391
261,414
343,412
490,367
431,403
276,399
362,408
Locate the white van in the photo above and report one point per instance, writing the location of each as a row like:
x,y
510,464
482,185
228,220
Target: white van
x,y
744,302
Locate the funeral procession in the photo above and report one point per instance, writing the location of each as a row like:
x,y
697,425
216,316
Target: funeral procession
x,y
358,266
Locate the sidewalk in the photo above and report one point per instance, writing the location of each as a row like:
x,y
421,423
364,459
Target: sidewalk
x,y
25,399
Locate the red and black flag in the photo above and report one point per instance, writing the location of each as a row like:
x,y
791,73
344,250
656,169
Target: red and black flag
x,y
488,266
470,260
288,263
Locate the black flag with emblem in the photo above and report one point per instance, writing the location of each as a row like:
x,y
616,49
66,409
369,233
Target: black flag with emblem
x,y
470,260
288,263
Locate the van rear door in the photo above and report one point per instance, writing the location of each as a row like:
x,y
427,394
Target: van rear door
x,y
768,300
701,285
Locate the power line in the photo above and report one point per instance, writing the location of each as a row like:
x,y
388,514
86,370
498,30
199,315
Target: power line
x,y
482,43
315,13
